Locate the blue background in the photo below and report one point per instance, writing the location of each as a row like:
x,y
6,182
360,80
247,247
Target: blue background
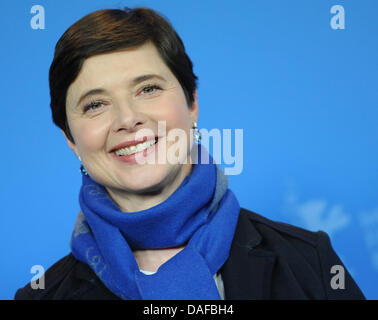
x,y
304,93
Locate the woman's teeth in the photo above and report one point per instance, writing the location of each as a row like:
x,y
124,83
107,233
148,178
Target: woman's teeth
x,y
134,149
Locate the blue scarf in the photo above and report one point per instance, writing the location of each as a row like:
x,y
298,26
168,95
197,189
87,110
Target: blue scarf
x,y
202,213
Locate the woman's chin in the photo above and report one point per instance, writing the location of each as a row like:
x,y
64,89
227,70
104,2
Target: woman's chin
x,y
145,187
150,180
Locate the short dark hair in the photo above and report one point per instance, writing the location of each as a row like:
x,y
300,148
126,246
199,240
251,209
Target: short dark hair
x,y
109,30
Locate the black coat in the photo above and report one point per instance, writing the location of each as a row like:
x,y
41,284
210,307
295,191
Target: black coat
x,y
268,260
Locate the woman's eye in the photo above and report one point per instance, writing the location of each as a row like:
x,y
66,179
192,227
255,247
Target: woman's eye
x,y
150,89
92,106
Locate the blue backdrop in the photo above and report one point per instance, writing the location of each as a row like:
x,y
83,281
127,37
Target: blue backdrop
x,y
304,93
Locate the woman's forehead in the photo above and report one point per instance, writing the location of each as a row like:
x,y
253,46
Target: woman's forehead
x,y
121,68
131,60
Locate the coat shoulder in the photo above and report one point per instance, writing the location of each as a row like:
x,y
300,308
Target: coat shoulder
x,y
302,257
287,230
52,278
68,279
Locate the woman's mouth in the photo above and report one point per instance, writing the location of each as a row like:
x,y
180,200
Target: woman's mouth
x,y
136,153
135,148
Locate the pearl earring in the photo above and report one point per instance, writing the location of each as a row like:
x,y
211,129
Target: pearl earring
x,y
196,133
82,169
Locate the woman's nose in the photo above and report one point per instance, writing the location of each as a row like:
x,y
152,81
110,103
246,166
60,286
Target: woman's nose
x,y
126,117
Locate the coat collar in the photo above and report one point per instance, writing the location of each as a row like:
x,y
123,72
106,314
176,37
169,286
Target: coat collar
x,y
247,273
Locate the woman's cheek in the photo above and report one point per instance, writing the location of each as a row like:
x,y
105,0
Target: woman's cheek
x,y
177,117
91,136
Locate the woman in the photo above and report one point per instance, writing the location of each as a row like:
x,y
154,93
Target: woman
x,y
155,223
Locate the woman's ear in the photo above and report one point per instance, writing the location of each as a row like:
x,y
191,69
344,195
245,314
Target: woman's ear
x,y
194,110
71,145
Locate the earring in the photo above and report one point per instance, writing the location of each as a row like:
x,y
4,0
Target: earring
x,y
196,133
83,170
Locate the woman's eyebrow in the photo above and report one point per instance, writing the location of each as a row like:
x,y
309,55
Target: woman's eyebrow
x,y
91,93
133,82
145,77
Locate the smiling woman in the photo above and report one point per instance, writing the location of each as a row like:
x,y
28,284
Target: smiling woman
x,y
115,96
121,83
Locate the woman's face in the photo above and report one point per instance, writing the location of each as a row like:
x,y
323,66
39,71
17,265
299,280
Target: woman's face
x,y
131,90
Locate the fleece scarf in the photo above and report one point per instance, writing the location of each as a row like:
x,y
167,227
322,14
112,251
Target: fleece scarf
x,y
202,214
